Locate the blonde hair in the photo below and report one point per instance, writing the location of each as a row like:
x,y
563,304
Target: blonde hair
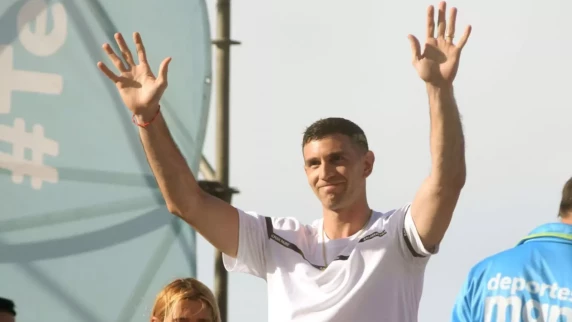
x,y
184,289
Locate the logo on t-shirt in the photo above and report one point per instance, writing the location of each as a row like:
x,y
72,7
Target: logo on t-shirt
x,y
373,235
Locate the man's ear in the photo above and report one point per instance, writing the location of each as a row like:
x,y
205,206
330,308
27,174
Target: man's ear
x,y
369,160
154,319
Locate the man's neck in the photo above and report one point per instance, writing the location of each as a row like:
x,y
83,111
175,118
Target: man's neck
x,y
345,222
567,219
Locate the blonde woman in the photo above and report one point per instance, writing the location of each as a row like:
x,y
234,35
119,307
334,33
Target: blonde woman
x,y
186,300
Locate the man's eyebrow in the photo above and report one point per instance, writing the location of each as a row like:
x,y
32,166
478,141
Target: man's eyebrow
x,y
336,154
310,159
331,154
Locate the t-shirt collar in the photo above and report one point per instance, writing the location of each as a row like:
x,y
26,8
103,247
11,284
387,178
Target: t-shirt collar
x,y
558,232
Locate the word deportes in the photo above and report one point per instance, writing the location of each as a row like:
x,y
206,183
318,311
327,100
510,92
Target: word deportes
x,y
528,300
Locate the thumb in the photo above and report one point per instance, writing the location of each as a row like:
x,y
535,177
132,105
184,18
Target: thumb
x,y
415,48
163,70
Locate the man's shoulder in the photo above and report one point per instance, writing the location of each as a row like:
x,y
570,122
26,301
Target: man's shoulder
x,y
285,227
283,224
393,214
507,259
287,223
525,252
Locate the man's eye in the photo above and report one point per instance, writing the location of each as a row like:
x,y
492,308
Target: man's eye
x,y
336,158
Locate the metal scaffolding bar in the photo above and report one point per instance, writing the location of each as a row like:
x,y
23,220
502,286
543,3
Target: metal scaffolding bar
x,y
223,43
206,169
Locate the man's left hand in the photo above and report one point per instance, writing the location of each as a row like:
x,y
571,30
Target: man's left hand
x,y
438,63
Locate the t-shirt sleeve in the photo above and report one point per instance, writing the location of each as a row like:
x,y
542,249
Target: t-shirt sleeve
x,y
409,241
462,308
252,246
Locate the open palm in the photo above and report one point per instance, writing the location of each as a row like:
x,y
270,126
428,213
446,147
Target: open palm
x,y
439,61
140,90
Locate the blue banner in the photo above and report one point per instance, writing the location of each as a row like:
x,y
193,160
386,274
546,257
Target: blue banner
x,y
84,233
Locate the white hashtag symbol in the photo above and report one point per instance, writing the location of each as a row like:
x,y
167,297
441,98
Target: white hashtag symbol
x,y
37,144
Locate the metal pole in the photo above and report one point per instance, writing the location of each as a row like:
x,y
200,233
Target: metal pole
x,y
223,43
206,169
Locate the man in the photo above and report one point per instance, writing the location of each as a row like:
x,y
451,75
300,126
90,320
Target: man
x,y
531,282
7,310
355,264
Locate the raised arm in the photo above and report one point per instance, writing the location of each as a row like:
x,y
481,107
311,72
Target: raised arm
x,y
437,65
141,92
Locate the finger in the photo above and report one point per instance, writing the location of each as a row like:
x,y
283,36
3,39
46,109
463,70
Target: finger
x,y
415,48
430,22
451,24
464,38
124,49
141,54
164,70
441,23
114,59
111,75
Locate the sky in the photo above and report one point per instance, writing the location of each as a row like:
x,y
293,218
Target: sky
x,y
304,60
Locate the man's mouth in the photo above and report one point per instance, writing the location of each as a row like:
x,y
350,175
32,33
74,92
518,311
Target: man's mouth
x,y
330,185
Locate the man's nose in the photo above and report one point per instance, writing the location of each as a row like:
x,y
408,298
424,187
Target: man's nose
x,y
326,171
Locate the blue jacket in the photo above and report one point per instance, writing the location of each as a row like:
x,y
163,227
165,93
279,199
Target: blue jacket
x,y
530,282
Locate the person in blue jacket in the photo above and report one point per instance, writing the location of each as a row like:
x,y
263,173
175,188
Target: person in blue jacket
x,y
530,282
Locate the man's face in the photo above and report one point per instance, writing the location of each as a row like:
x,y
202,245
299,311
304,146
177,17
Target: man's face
x,y
336,169
6,317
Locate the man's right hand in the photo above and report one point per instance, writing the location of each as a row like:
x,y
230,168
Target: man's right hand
x,y
141,91
138,87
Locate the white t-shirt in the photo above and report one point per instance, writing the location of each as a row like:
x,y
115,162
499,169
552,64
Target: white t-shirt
x,y
374,275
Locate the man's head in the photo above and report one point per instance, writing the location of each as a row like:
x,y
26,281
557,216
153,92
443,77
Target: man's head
x,y
7,310
566,203
337,161
185,299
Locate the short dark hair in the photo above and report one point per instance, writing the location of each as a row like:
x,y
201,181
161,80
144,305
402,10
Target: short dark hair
x,y
335,125
566,203
7,306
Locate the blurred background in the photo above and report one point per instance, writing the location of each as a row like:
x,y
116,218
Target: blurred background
x,y
92,241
